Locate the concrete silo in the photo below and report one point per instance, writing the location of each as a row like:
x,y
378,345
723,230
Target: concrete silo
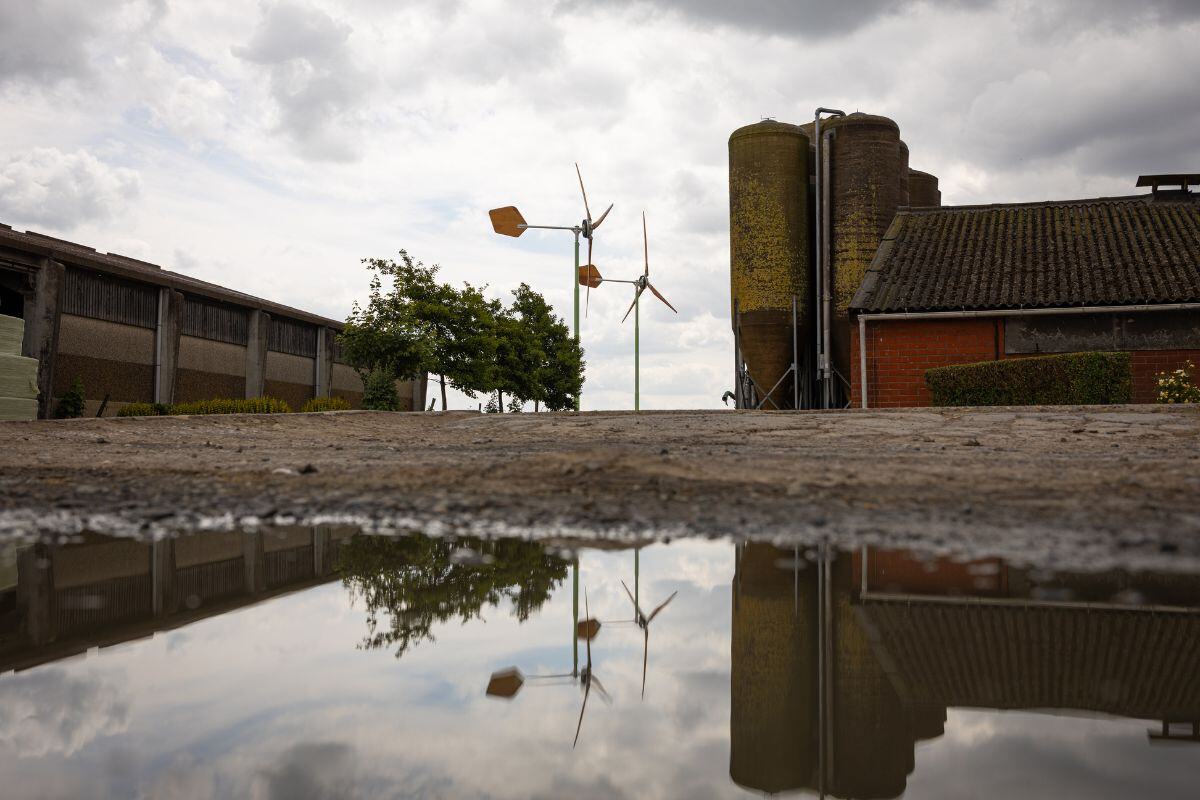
x,y
923,189
866,186
769,249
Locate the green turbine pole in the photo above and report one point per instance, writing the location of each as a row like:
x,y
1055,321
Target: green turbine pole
x,y
637,352
575,624
575,283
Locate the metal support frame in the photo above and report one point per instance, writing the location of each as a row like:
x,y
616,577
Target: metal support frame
x,y
743,397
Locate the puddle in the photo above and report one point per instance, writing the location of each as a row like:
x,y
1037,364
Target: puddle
x,y
317,662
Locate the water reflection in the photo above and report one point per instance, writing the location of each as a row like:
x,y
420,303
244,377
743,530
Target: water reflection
x,y
269,662
841,666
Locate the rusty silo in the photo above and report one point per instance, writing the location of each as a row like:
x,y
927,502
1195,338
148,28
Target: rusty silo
x,y
865,189
923,189
768,248
904,193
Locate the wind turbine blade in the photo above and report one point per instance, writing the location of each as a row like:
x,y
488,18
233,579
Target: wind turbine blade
x,y
660,297
645,658
645,244
634,303
654,613
596,224
584,191
635,605
604,695
582,708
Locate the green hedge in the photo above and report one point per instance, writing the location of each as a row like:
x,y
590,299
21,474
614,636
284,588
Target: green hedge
x,y
1069,379
326,404
219,405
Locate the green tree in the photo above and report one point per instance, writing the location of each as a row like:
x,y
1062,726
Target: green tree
x,y
410,584
557,376
385,337
379,391
71,404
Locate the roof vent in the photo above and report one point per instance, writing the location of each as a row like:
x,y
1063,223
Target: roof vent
x,y
1157,182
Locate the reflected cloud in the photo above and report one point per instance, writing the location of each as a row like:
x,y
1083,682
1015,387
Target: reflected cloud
x,y
52,713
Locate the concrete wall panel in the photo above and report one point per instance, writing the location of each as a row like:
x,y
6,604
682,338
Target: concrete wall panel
x,y
206,355
81,336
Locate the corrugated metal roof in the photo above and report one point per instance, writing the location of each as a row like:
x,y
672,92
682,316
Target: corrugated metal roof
x,y
80,255
1106,251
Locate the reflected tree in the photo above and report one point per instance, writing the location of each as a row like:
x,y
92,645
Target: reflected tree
x,y
410,584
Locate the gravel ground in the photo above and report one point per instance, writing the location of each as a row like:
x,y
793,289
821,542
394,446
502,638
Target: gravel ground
x,y
1063,485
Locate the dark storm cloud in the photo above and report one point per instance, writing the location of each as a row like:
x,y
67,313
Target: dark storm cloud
x,y
820,19
813,19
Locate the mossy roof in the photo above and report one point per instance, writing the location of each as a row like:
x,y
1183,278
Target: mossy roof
x,y
1105,251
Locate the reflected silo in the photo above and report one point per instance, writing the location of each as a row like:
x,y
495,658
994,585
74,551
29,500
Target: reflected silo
x,y
773,714
865,189
768,247
904,171
923,189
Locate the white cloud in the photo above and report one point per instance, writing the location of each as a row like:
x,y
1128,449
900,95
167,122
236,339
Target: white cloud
x,y
52,713
46,186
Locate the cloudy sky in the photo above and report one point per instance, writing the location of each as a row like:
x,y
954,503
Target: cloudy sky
x,y
269,147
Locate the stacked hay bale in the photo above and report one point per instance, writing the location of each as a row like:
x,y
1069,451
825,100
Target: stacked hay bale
x,y
18,374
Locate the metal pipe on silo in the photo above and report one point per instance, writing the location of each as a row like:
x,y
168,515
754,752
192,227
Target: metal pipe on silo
x,y
768,242
821,268
904,173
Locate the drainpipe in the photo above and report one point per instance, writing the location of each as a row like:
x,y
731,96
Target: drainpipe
x,y
158,343
863,319
821,268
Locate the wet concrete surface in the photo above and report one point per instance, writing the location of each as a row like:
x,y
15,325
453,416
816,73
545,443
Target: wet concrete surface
x,y
1068,484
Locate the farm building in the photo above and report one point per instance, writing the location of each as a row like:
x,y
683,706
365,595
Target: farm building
x,y
956,285
134,332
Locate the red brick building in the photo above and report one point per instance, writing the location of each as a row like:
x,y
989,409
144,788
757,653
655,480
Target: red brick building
x,y
961,284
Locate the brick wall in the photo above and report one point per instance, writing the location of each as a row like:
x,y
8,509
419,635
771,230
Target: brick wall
x,y
899,352
1146,364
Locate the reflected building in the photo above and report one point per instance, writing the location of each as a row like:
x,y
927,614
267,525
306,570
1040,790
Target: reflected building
x,y
58,600
842,665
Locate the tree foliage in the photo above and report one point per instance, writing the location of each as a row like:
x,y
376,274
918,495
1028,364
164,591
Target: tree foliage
x,y
410,584
475,344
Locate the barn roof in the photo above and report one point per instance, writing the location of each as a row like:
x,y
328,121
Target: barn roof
x,y
1105,251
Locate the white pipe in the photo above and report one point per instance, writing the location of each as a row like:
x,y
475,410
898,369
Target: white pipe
x,y
863,319
822,326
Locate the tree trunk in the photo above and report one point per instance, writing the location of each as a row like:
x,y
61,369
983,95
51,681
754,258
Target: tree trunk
x,y
443,377
500,400
535,406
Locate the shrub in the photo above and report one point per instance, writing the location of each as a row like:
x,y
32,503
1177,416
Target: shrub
x,y
144,410
70,405
1178,386
326,404
232,405
379,392
1069,379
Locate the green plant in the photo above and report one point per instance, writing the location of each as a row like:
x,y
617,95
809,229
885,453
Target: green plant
x,y
1178,386
379,392
144,410
71,405
233,405
326,404
1068,379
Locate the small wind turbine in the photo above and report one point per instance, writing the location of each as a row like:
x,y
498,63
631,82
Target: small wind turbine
x,y
509,222
590,277
643,622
